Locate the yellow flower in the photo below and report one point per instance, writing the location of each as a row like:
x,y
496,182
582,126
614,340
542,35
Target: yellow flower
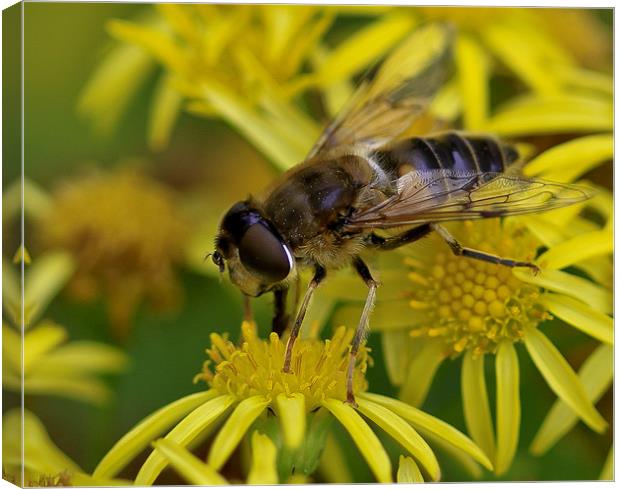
x,y
43,463
50,365
249,392
126,235
458,306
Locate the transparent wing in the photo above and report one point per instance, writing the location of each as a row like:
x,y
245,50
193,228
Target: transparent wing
x,y
388,102
443,195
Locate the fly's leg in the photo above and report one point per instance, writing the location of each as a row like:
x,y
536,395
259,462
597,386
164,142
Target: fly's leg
x,y
319,275
280,318
362,327
247,309
394,242
460,250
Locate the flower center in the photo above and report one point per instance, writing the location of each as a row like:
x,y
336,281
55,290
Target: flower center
x,y
473,304
318,368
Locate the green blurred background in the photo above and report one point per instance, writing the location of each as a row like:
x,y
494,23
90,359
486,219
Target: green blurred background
x,y
63,44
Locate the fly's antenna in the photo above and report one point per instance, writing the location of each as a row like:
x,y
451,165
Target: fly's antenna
x,y
218,259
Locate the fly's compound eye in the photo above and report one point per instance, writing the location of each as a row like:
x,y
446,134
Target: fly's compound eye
x,y
264,254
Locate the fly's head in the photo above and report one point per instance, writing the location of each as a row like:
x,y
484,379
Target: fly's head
x,y
249,245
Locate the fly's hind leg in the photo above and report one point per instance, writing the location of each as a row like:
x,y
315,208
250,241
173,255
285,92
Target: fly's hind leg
x,y
319,275
460,250
394,242
362,327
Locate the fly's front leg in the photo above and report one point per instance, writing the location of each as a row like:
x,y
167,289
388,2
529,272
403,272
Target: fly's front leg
x,y
280,318
362,328
460,250
247,309
319,275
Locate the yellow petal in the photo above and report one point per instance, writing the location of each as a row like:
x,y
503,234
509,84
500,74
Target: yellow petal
x,y
397,351
291,411
456,454
364,47
408,471
426,423
546,232
508,405
152,40
184,433
476,403
472,66
448,102
512,48
180,18
607,474
298,130
136,439
83,357
249,123
596,375
44,280
264,459
578,248
229,436
113,84
36,202
337,93
403,433
164,111
11,291
40,453
78,388
581,316
11,349
600,269
191,468
421,372
544,115
386,316
40,340
367,442
304,44
562,379
568,161
332,465
580,78
557,281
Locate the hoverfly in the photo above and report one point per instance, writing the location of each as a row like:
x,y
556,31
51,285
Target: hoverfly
x,y
361,177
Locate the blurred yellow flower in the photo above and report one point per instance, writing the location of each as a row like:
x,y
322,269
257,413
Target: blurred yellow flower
x,y
50,365
43,463
126,235
53,368
248,380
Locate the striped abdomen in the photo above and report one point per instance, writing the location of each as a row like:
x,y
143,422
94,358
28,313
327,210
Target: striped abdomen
x,y
450,151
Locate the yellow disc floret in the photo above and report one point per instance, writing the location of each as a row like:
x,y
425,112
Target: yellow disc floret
x,y
473,304
318,368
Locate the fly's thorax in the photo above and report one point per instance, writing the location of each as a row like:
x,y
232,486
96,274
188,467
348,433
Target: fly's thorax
x,y
311,199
